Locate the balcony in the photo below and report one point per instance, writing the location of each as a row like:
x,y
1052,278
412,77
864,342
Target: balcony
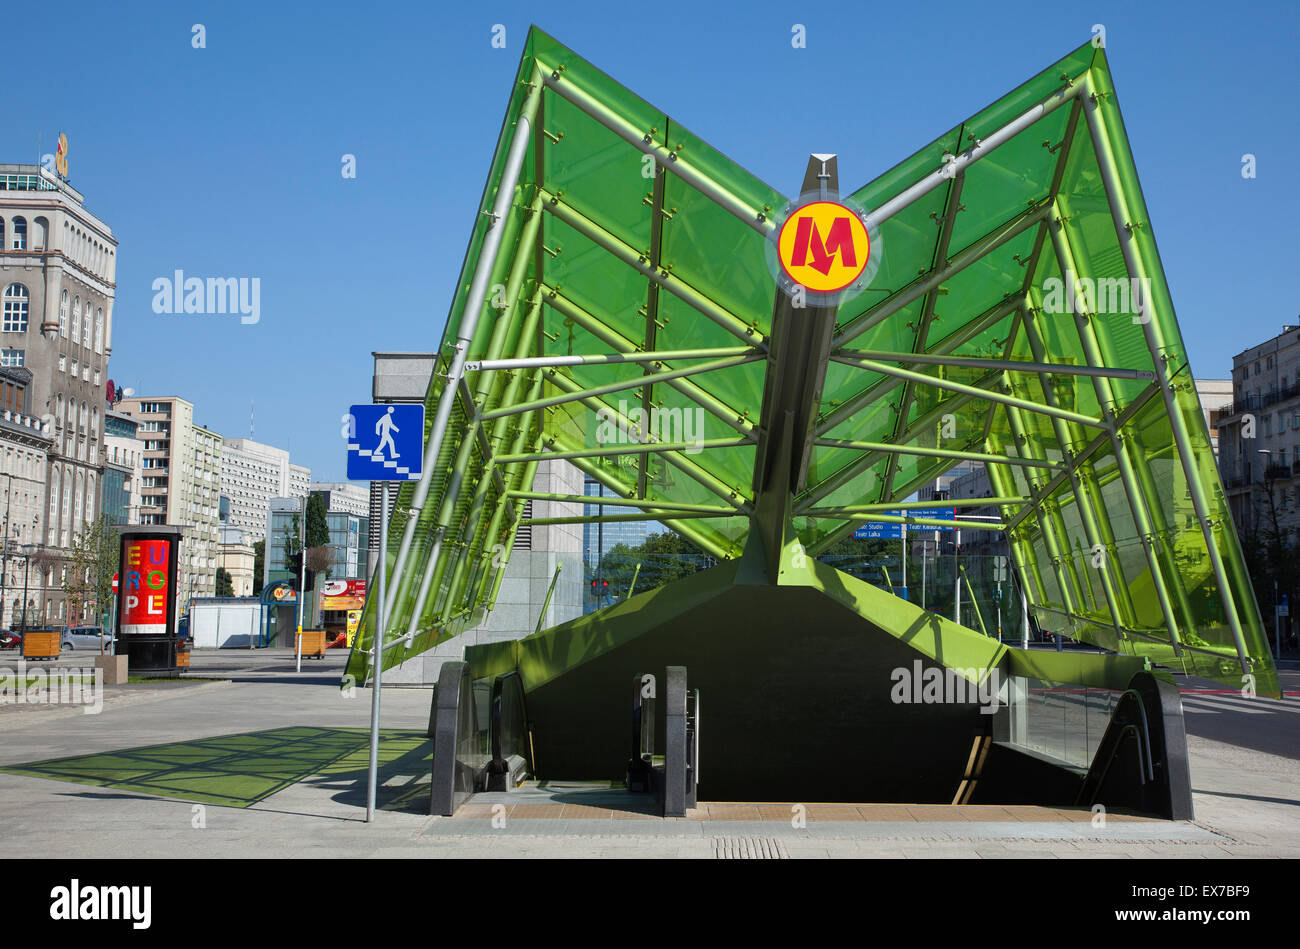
x,y
1254,403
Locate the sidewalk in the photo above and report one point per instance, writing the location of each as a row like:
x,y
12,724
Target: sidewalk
x,y
1247,802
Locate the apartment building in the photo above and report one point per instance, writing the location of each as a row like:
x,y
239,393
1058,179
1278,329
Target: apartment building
x,y
251,475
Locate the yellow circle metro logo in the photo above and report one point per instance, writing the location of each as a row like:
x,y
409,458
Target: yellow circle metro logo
x,y
823,246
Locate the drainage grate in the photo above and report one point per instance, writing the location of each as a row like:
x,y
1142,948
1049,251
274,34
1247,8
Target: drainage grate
x,y
749,848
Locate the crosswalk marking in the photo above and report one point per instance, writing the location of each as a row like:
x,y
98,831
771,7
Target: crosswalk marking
x,y
1210,703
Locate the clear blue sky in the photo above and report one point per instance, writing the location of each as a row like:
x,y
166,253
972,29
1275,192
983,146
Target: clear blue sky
x,y
225,161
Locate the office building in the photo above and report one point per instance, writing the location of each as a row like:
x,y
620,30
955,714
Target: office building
x,y
251,475
344,497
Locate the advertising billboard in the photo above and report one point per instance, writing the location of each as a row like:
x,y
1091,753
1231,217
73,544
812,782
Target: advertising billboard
x,y
146,564
343,595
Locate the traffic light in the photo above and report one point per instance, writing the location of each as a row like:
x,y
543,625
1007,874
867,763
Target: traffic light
x,y
295,567
599,587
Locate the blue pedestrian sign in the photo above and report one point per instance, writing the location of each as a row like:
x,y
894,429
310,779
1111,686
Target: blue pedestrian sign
x,y
386,443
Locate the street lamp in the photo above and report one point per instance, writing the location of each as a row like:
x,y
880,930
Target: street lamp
x,y
4,557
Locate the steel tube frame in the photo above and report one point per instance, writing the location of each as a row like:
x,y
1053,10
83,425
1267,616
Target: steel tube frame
x,y
1138,501
629,449
1091,506
914,505
989,317
639,262
598,328
1124,224
979,393
604,501
468,325
474,405
757,218
548,362
1102,438
1134,466
920,338
924,284
651,515
1010,365
890,448
620,386
704,542
510,391
729,494
980,149
922,521
1055,537
853,469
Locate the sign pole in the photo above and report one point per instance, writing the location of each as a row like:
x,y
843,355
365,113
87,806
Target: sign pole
x,y
956,575
924,544
302,577
904,533
377,653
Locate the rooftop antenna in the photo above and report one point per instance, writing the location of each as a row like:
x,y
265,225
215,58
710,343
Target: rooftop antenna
x,y
250,420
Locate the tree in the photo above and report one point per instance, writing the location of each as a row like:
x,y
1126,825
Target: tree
x,y
318,530
259,566
92,561
225,585
662,557
38,569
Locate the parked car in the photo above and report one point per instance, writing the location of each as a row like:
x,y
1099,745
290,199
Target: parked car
x,y
10,640
86,637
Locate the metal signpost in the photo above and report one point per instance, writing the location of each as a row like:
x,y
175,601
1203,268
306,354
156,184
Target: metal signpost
x,y
880,530
386,444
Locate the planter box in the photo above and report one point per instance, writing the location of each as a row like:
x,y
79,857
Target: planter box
x,y
41,644
313,643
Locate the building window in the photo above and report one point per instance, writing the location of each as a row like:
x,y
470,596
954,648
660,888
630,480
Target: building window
x,y
20,233
63,365
16,302
76,318
99,330
86,327
12,357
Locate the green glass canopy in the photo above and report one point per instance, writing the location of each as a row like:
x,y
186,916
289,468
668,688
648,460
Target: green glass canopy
x,y
620,271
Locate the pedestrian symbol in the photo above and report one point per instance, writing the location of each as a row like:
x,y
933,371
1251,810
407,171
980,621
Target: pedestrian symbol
x,y
384,428
386,443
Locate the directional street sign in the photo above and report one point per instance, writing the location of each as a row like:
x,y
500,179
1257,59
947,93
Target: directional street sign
x,y
386,443
880,530
877,530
